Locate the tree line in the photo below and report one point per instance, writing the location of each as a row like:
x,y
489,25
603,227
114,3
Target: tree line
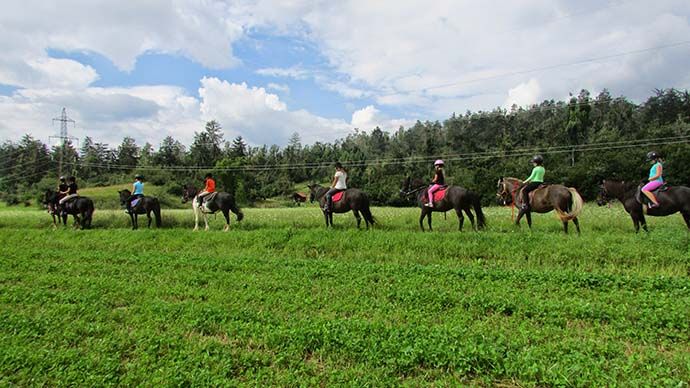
x,y
583,140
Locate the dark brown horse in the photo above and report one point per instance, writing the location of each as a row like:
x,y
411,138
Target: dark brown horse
x,y
353,199
299,198
146,205
457,198
566,201
81,208
675,199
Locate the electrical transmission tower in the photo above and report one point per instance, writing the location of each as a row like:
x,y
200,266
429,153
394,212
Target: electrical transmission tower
x,y
64,137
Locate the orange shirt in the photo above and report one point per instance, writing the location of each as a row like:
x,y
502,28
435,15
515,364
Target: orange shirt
x,y
210,185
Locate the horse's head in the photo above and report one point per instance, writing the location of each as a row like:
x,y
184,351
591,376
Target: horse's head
x,y
405,186
604,195
188,192
312,191
124,194
503,194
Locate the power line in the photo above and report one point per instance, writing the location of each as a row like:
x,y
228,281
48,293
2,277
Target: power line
x,y
550,67
682,139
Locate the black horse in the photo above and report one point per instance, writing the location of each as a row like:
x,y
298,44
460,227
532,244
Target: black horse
x,y
225,202
457,198
146,205
675,199
353,199
81,208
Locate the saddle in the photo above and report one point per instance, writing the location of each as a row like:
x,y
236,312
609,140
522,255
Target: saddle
x,y
136,201
438,194
338,196
206,199
531,193
643,200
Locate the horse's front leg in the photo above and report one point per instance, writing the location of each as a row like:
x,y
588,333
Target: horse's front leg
x,y
196,215
429,219
565,227
131,218
421,219
577,225
205,220
528,216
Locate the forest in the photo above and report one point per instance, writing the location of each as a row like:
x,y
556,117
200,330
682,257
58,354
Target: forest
x,y
583,140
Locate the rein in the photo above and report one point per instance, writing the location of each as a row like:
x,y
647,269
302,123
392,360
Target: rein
x,y
513,195
418,189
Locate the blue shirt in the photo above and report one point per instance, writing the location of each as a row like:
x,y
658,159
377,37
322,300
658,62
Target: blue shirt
x,y
138,188
653,170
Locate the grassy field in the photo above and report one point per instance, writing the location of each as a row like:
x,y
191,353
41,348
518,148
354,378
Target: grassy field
x,y
280,300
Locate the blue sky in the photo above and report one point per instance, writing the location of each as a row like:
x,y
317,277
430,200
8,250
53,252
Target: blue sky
x,y
266,69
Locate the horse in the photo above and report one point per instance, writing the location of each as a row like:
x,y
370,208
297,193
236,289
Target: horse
x,y
566,201
81,208
456,198
299,198
675,199
225,202
146,205
353,199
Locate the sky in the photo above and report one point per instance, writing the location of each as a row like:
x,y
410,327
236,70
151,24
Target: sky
x,y
266,69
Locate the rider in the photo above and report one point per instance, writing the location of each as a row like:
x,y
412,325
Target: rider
x,y
535,179
137,191
656,179
208,189
438,182
338,184
71,192
62,189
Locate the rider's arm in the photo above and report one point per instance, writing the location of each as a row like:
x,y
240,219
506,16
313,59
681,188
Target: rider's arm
x,y
532,176
335,180
435,179
659,172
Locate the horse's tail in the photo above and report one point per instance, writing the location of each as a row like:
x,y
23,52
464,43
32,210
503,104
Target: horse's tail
x,y
481,220
577,204
157,212
235,209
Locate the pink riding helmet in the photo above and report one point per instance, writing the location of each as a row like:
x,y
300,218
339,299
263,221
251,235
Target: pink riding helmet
x,y
439,161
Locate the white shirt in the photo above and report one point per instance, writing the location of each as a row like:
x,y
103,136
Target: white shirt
x,y
340,183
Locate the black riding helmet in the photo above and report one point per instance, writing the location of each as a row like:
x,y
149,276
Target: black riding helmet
x,y
209,175
537,159
653,155
62,178
139,176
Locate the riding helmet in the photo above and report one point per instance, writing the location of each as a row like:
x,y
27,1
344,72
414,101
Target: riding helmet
x,y
439,162
138,176
62,178
209,175
537,159
653,155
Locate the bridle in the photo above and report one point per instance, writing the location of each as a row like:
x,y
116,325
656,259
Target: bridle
x,y
504,192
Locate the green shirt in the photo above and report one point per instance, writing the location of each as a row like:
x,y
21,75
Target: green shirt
x,y
537,174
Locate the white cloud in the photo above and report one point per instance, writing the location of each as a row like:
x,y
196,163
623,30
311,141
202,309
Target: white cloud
x,y
526,93
425,60
278,87
369,118
294,72
261,117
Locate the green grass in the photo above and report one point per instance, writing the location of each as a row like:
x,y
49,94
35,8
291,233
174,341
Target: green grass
x,y
280,300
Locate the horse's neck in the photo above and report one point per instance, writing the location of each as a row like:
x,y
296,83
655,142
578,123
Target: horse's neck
x,y
621,190
512,183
